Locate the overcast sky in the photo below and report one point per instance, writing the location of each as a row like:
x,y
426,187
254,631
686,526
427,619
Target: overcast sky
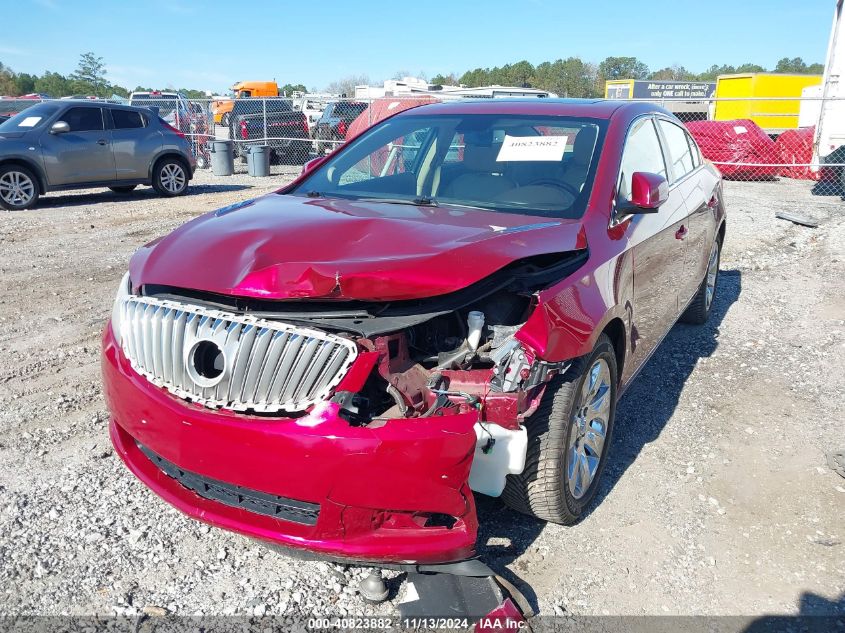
x,y
210,45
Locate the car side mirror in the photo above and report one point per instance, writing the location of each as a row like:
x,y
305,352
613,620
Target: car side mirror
x,y
60,127
648,192
312,164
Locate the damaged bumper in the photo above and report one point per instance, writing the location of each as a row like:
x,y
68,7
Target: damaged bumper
x,y
393,491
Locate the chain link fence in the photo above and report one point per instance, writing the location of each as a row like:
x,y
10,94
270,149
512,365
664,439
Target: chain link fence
x,y
750,139
768,138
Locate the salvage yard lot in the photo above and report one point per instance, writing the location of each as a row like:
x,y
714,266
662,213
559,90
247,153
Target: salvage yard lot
x,y
717,498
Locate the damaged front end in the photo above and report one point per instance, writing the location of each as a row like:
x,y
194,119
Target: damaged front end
x,y
351,428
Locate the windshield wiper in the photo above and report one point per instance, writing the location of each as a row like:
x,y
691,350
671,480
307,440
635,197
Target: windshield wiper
x,y
417,202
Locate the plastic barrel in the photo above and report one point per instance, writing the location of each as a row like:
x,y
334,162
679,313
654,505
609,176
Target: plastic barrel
x,y
222,158
258,161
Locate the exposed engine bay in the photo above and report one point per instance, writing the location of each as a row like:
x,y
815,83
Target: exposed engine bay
x,y
451,353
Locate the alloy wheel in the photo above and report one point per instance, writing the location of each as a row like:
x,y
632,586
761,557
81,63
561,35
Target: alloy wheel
x,y
588,430
16,188
173,177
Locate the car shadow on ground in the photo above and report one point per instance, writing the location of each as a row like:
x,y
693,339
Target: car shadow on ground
x,y
146,193
505,535
816,614
653,396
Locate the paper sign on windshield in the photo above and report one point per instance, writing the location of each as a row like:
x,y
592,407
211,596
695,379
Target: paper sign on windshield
x,y
532,148
30,121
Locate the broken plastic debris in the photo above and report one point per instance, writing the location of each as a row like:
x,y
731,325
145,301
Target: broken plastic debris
x,y
803,220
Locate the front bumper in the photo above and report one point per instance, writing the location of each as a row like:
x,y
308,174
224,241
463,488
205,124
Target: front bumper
x,y
375,487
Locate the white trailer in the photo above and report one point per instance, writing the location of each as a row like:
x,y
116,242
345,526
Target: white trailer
x,y
829,140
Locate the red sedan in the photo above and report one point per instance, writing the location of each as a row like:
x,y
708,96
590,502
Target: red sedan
x,y
454,301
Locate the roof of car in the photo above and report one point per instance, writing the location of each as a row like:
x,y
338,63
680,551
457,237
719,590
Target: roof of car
x,y
593,108
93,104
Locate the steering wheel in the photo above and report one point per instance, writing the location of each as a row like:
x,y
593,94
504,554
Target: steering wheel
x,y
551,182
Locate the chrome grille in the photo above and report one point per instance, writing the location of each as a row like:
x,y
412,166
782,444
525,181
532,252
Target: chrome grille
x,y
264,366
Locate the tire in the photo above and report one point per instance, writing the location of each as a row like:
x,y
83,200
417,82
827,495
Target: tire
x,y
560,436
170,177
19,189
202,162
699,310
124,189
224,120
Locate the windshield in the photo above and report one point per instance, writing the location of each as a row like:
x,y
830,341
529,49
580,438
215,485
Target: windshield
x,y
31,118
511,163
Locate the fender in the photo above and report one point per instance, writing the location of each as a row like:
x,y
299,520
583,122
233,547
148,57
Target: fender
x,y
571,314
28,162
167,151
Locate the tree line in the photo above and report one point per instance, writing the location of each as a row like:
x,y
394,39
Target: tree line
x,y
573,77
89,79
570,77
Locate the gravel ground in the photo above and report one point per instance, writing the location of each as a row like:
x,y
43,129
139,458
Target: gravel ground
x,y
717,500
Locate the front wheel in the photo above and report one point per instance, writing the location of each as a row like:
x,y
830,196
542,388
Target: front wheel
x,y
568,440
18,188
170,177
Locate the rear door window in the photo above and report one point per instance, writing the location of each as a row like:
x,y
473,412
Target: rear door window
x,y
127,119
696,154
83,119
678,148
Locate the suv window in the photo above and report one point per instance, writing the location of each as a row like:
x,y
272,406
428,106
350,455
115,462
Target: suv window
x,y
678,147
642,153
127,119
84,119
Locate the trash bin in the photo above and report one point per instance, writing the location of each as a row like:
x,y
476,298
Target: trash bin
x,y
258,161
222,158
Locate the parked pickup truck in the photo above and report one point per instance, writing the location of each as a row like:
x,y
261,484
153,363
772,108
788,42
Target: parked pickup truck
x,y
254,120
331,129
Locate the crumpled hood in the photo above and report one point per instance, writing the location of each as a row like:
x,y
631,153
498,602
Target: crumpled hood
x,y
290,247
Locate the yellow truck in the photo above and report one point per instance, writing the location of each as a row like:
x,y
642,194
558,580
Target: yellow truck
x,y
735,99
242,90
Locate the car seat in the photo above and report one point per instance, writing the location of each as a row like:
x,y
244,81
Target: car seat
x,y
481,177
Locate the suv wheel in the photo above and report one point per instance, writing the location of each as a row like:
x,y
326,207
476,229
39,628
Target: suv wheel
x,y
18,188
170,177
568,440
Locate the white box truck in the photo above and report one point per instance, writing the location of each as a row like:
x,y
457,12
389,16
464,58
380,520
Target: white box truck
x,y
828,114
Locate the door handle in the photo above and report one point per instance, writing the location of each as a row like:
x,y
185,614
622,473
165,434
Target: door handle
x,y
681,233
102,141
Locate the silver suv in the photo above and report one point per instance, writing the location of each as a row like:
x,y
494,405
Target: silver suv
x,y
58,145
